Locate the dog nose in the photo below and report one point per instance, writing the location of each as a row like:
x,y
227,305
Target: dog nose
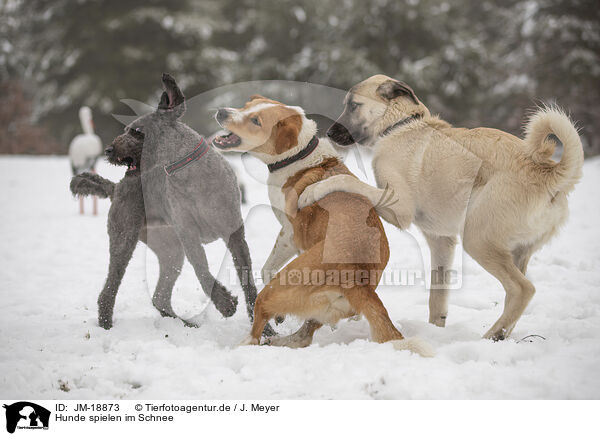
x,y
333,130
108,150
222,115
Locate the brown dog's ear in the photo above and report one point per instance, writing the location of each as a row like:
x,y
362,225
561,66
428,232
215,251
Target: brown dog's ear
x,y
286,135
391,89
256,96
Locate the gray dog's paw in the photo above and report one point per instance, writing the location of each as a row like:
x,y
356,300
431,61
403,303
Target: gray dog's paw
x,y
223,300
105,322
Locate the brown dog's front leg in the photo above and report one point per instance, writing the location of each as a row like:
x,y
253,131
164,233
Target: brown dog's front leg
x,y
261,318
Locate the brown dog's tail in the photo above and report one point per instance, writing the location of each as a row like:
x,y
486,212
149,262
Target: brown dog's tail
x,y
92,184
552,120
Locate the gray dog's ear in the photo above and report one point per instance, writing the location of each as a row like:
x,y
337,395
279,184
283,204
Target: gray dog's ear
x,y
391,89
172,99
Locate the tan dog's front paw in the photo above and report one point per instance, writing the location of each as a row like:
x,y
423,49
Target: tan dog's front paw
x,y
308,196
315,192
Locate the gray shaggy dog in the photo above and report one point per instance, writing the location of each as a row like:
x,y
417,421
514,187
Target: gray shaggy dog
x,y
177,194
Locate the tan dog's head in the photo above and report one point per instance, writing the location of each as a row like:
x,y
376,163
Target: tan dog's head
x,y
371,107
264,127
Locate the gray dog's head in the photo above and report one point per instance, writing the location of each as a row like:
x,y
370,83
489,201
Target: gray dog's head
x,y
371,107
126,149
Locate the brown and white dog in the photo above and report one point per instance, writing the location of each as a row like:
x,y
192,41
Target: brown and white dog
x,y
340,242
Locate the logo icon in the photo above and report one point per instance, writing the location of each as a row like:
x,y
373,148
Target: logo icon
x,y
26,415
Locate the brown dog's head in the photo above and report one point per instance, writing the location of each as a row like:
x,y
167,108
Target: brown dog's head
x,y
371,107
264,127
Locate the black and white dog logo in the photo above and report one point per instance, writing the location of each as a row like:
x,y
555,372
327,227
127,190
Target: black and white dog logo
x,y
26,415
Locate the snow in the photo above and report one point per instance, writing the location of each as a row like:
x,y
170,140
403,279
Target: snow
x,y
54,263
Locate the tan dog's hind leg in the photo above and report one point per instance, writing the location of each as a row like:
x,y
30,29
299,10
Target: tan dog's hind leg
x,y
519,290
442,254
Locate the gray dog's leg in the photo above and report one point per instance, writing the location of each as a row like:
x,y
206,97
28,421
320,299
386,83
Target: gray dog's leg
x,y
165,244
220,296
243,264
123,235
241,259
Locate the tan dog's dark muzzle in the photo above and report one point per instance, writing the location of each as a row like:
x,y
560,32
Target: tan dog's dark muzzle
x,y
340,135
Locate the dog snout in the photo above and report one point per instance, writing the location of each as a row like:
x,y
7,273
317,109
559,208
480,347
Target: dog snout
x,y
339,134
109,150
222,115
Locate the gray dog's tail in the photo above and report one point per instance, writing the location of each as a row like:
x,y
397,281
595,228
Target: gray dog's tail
x,y
92,184
552,120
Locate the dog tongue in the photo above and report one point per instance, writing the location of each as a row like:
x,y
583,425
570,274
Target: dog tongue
x,y
227,140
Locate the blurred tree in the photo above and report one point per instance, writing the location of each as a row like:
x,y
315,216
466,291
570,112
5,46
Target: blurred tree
x,y
565,38
476,62
94,53
19,135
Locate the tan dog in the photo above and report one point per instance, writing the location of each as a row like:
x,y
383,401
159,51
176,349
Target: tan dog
x,y
340,242
503,195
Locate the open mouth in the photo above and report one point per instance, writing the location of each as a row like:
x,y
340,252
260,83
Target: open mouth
x,y
228,140
129,161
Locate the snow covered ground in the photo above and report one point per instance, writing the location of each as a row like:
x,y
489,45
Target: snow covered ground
x,y
54,261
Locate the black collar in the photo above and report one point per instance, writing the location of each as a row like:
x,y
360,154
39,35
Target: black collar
x,y
300,155
401,123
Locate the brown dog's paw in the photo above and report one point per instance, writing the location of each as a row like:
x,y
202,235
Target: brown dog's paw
x,y
249,341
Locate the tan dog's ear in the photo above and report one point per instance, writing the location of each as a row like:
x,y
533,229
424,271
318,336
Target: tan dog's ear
x,y
286,135
257,96
391,89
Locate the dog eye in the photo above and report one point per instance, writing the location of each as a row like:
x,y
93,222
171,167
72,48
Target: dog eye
x,y
255,121
353,106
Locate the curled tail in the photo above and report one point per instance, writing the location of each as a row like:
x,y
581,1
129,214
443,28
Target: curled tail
x,y
92,184
414,345
552,120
